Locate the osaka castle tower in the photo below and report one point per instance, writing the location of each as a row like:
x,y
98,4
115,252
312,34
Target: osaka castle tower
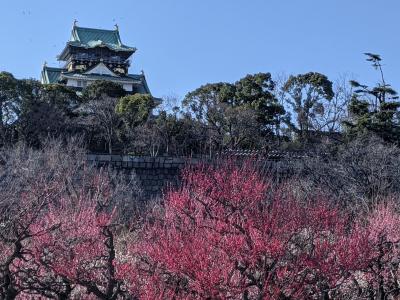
x,y
95,54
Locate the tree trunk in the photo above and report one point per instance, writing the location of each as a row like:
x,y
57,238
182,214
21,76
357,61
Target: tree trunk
x,y
109,146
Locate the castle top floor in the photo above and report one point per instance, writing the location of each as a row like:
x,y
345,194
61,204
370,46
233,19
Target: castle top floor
x,y
88,40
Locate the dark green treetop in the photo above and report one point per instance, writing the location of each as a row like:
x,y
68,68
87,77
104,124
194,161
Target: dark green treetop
x,y
61,96
231,111
374,109
256,91
135,109
100,88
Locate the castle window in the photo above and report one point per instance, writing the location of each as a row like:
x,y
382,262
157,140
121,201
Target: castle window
x,y
81,83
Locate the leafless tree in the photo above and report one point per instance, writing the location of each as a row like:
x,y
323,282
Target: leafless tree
x,y
358,175
102,111
334,112
169,103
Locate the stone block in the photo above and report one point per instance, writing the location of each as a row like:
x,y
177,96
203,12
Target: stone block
x,y
103,157
91,157
116,157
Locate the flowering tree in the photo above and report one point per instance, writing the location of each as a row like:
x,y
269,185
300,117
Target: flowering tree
x,y
382,274
226,235
16,232
22,202
59,226
81,251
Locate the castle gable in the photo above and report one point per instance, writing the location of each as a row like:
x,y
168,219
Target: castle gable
x,y
101,69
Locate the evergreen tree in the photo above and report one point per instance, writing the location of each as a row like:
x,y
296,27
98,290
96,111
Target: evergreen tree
x,y
239,115
374,109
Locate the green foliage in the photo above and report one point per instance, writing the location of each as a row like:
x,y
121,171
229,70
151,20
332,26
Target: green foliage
x,y
205,101
257,92
39,120
61,96
13,94
374,109
307,94
170,134
8,96
135,109
8,84
45,111
383,122
237,114
100,88
245,114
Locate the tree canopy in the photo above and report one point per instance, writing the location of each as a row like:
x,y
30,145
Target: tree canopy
x,y
102,87
374,109
135,109
256,112
306,96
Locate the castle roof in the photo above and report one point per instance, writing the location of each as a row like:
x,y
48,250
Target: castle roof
x,y
51,75
92,37
87,38
54,75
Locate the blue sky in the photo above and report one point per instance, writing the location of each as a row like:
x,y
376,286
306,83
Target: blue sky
x,y
183,44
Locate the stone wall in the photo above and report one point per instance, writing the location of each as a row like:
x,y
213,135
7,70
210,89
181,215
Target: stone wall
x,y
153,173
156,173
